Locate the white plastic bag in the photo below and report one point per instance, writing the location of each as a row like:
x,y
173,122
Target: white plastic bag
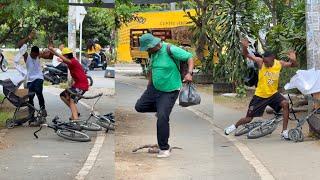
x,y
306,81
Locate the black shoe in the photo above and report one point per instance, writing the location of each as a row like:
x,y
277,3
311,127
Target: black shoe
x,y
44,112
34,124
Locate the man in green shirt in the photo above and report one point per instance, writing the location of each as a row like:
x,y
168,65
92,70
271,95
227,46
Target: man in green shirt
x,y
164,84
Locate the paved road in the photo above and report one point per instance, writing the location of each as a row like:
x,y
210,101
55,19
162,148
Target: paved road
x,y
283,159
188,131
61,159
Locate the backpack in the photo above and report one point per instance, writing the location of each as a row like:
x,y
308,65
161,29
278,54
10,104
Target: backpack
x,y
183,67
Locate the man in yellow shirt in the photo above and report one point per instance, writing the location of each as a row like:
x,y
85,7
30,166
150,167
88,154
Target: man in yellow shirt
x,y
267,89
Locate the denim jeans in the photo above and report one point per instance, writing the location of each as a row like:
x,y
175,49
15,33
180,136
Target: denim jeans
x,y
153,100
36,86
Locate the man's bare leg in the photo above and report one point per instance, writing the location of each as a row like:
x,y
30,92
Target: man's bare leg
x,y
233,127
74,110
285,106
244,120
65,100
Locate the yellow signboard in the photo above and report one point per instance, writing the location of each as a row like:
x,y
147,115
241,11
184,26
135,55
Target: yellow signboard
x,y
148,20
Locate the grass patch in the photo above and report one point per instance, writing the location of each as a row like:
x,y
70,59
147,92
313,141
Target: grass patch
x,y
5,113
63,85
46,83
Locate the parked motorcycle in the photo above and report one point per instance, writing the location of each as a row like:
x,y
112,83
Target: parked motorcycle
x,y
57,76
93,59
3,62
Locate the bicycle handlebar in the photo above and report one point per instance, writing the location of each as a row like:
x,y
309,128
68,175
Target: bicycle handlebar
x,y
84,97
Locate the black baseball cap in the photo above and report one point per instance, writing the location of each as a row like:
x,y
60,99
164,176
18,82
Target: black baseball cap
x,y
268,54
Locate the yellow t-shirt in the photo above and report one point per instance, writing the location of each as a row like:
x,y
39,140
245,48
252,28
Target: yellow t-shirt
x,y
268,80
96,49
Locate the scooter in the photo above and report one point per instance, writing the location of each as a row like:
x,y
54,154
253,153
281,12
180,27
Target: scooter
x,y
3,62
57,76
93,59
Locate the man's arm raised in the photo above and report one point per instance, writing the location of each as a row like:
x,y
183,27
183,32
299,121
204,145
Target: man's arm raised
x,y
292,60
245,44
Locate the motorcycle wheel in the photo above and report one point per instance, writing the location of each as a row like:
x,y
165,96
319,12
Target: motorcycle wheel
x,y
4,65
90,80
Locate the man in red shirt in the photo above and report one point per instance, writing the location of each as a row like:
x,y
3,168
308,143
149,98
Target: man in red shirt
x,y
80,81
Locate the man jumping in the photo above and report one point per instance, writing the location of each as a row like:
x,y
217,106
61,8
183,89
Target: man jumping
x,y
267,89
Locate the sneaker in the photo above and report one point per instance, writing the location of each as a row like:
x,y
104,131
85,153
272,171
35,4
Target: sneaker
x,y
163,154
229,129
285,135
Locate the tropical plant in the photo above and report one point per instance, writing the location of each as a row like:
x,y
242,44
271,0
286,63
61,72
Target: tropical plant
x,y
233,20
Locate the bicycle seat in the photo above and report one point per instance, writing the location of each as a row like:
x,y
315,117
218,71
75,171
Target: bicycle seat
x,y
109,114
55,119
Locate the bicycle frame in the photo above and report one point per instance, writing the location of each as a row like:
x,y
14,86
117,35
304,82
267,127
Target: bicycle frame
x,y
92,112
56,125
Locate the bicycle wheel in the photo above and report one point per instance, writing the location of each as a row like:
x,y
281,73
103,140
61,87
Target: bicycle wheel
x,y
73,135
106,124
247,127
263,130
296,135
90,126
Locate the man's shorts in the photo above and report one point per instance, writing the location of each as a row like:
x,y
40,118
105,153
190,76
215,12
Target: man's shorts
x,y
77,91
258,105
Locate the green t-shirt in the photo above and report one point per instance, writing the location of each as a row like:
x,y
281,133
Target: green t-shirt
x,y
165,74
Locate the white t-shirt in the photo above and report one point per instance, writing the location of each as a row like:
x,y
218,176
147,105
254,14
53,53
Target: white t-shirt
x,y
55,61
33,69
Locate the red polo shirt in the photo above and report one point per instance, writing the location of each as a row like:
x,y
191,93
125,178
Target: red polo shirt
x,y
78,75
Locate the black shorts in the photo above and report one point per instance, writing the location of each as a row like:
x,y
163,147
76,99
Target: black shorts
x,y
75,98
258,105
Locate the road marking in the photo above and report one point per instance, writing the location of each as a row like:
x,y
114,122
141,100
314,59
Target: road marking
x,y
39,156
262,171
92,156
94,152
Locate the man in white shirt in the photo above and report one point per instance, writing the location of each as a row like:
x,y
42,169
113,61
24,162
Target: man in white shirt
x,y
55,60
34,73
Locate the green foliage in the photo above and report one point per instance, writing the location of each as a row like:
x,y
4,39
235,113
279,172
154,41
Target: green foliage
x,y
49,18
17,18
290,34
241,91
236,18
233,20
201,27
98,23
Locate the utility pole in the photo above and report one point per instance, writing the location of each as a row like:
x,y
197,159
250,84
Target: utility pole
x,y
173,6
313,40
72,26
71,32
313,33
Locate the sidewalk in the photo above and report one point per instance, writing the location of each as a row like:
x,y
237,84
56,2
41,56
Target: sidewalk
x,y
188,131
